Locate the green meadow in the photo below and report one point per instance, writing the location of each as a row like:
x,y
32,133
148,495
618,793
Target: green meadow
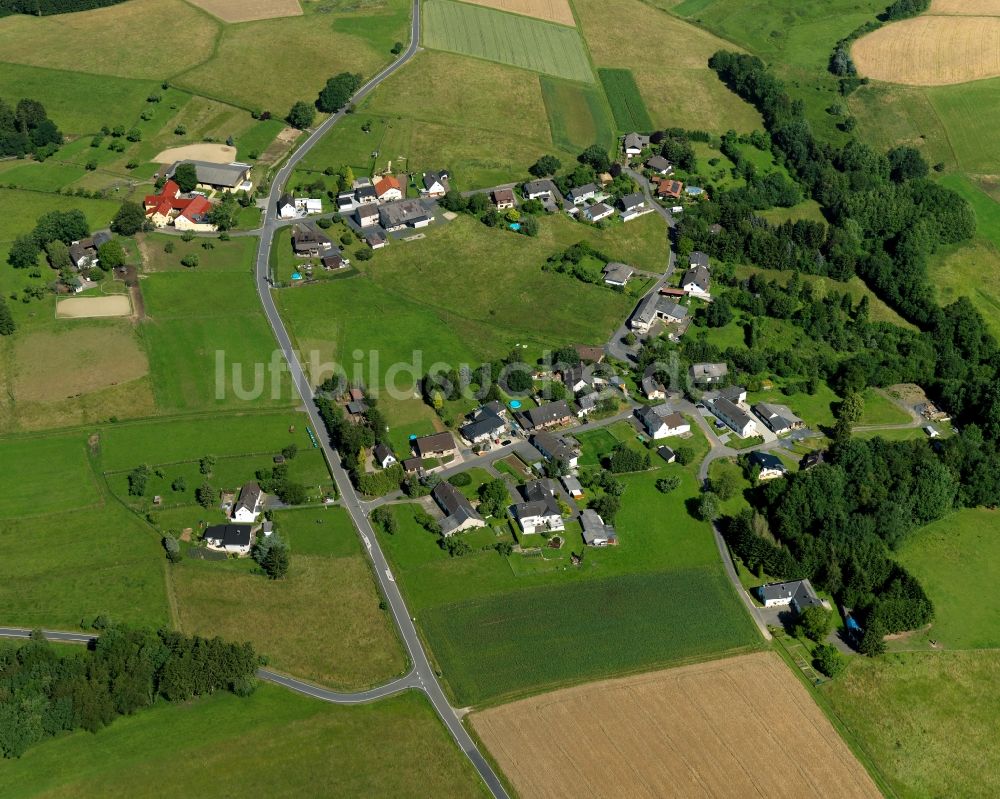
x,y
578,114
627,104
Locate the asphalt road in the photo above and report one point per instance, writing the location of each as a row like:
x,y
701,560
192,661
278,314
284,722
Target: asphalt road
x,y
422,676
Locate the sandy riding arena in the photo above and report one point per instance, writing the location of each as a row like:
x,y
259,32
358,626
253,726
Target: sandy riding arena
x,y
215,153
744,726
91,307
931,50
551,10
249,10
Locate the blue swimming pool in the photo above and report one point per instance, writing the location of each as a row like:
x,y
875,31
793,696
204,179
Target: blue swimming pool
x,y
515,404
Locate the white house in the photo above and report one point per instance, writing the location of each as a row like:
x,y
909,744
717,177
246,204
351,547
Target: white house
x,y
248,505
696,282
232,538
634,143
797,593
556,449
770,465
735,394
384,456
458,511
536,189
286,207
367,215
435,184
597,212
618,275
581,194
572,486
632,205
540,511
388,189
662,424
735,417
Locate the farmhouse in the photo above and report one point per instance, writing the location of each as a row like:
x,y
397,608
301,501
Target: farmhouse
x,y
778,418
632,205
540,511
388,189
708,373
405,213
458,512
486,423
286,207
307,241
669,189
556,448
770,465
660,165
184,212
548,415
734,417
384,456
634,143
597,212
696,281
221,177
616,274
83,253
436,184
367,215
502,198
249,504
434,446
656,307
232,538
581,194
661,422
797,593
595,532
537,189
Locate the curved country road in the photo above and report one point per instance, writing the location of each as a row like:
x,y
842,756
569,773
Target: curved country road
x,y
422,677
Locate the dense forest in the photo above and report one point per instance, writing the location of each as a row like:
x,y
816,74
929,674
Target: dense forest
x,y
26,128
44,8
43,693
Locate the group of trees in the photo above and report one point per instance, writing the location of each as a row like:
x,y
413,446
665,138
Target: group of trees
x,y
352,438
271,554
581,260
43,693
26,128
338,91
479,206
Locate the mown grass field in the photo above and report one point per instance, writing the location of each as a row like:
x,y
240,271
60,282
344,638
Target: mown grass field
x,y
68,482
321,623
578,115
441,112
966,606
235,255
627,105
927,720
668,58
273,743
506,38
972,271
443,298
542,637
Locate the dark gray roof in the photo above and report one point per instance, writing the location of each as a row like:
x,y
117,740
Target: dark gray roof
x,y
101,237
636,141
618,273
581,191
438,442
650,419
659,163
598,209
454,504
732,393
430,178
227,175
305,238
666,453
539,187
547,414
231,535
486,423
731,412
706,371
799,591
698,258
765,460
594,528
698,275
402,212
366,192
285,200
382,452
631,201
250,496
553,446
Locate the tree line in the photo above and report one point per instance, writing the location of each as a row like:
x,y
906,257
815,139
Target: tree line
x,y
45,8
43,693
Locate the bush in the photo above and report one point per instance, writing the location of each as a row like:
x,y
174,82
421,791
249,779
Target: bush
x,y
684,455
667,484
460,479
384,520
190,260
626,459
828,660
815,622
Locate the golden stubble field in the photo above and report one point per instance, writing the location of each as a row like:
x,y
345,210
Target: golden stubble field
x,y
743,726
985,8
249,10
551,10
931,50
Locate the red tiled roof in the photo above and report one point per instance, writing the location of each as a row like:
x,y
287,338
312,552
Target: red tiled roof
x,y
196,207
388,182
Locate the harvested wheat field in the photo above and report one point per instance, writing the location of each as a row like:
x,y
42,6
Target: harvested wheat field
x,y
92,307
743,726
215,153
931,50
551,10
975,8
249,10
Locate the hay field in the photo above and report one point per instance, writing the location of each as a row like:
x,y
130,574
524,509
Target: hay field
x,y
679,88
985,8
139,39
551,10
505,38
249,10
90,307
931,50
735,727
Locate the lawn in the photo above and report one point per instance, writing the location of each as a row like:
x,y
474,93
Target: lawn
x,y
966,607
879,410
807,209
322,622
444,302
235,255
669,61
542,637
68,483
484,122
506,38
973,271
816,410
298,747
627,105
578,115
61,568
928,720
209,344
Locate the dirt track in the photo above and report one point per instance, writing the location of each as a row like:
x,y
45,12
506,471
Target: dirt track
x,y
216,153
744,726
91,307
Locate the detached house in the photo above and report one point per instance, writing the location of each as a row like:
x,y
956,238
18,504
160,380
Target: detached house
x,y
286,207
388,189
548,415
581,194
383,456
669,189
436,184
797,593
540,511
778,418
597,212
367,215
660,165
618,275
232,538
595,532
458,511
634,143
632,205
656,307
708,373
308,242
485,424
405,213
662,423
248,505
434,446
696,282
770,465
651,387
83,253
502,199
555,448
537,189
